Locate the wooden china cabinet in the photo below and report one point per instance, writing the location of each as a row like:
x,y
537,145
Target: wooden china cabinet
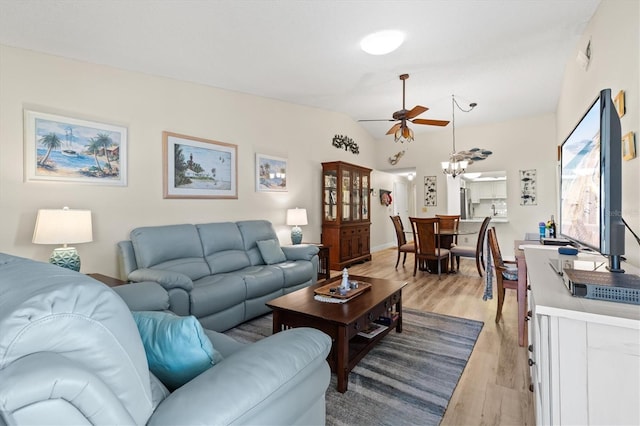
x,y
346,218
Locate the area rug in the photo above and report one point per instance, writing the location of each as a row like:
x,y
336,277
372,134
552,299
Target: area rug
x,y
407,379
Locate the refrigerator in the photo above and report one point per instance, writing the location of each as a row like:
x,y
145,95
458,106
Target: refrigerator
x,y
465,203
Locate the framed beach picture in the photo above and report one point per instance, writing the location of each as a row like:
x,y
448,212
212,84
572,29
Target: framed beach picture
x,y
66,149
271,173
198,168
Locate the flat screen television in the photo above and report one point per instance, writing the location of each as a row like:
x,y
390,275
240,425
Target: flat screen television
x,y
591,182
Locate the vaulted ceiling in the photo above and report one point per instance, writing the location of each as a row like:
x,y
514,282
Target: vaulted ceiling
x,y
506,55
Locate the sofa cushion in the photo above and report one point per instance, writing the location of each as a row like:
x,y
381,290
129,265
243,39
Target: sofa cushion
x,y
295,272
172,247
223,247
216,293
177,348
270,251
253,231
261,280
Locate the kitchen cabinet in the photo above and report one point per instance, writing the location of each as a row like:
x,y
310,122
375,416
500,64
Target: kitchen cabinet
x,y
488,190
346,206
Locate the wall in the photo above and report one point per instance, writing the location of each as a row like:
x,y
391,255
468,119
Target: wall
x,y
615,63
148,105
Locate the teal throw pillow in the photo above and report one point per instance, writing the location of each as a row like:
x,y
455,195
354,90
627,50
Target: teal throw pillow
x,y
271,251
177,348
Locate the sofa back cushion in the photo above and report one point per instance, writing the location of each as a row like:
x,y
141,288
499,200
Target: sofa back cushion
x,y
253,231
171,247
223,247
45,309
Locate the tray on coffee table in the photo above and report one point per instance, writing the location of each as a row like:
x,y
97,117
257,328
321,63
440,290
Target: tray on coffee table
x,y
325,290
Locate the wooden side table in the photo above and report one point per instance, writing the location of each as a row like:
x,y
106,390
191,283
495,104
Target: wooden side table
x,y
110,281
324,273
323,262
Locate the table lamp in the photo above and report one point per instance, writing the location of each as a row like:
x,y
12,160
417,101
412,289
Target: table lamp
x,y
64,227
295,218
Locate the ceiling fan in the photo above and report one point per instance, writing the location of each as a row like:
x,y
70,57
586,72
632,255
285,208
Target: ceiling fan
x,y
401,130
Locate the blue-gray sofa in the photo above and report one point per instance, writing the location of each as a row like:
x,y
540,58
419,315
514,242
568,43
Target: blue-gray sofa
x,y
71,353
217,272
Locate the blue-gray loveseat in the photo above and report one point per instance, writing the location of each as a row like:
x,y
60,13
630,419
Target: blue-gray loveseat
x,y
221,273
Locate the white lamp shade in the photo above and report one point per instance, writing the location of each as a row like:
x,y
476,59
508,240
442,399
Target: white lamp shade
x,y
63,226
297,217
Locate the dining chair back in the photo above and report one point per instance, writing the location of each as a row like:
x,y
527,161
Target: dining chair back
x,y
404,246
506,277
427,241
476,252
449,222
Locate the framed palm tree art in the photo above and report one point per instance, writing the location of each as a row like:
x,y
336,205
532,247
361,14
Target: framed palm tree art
x,y
66,149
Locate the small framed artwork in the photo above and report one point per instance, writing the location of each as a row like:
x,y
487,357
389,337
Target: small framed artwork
x,y
528,189
618,101
198,168
67,149
628,146
430,191
271,173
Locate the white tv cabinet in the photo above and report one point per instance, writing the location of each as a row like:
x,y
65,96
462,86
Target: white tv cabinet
x,y
584,354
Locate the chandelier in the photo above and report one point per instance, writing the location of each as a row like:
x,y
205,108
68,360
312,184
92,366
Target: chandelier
x,y
457,163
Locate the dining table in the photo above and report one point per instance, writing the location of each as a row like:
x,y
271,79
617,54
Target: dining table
x,y
447,238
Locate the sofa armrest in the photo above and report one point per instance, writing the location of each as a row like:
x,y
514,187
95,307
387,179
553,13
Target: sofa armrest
x,y
300,251
167,279
72,393
287,368
144,296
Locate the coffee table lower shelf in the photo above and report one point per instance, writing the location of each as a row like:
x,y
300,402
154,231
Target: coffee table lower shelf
x,y
346,351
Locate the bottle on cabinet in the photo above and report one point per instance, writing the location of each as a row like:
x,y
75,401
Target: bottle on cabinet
x,y
552,228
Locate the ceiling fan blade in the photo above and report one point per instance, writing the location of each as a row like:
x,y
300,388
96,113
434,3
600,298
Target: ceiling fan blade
x,y
430,122
416,111
394,128
382,119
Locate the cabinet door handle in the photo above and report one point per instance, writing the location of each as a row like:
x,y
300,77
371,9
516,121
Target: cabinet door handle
x,y
529,314
531,362
530,388
530,348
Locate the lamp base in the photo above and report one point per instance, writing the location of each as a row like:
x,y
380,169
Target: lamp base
x,y
66,257
296,235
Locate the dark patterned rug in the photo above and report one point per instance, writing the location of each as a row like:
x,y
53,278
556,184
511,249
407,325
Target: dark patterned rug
x,y
407,379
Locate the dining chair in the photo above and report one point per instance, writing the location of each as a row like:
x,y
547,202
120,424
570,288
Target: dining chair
x,y
506,277
450,223
425,237
404,246
476,252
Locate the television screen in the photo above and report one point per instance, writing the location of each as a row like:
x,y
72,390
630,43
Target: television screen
x,y
580,181
591,182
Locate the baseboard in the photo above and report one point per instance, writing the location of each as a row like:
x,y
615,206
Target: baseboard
x,y
382,247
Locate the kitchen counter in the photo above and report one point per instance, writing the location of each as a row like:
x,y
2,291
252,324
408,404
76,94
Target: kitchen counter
x,y
480,219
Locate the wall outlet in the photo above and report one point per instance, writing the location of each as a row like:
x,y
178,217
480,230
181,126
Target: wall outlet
x,y
424,210
466,239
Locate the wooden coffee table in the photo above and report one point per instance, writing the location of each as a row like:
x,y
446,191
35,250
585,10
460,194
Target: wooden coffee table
x,y
342,321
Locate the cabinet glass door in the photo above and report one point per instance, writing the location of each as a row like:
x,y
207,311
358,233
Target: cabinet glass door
x,y
355,190
365,197
346,195
330,195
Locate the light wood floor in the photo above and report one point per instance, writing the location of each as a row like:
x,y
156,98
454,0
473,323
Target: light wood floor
x,y
494,388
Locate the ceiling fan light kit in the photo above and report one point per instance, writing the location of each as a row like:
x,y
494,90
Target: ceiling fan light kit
x,y
401,131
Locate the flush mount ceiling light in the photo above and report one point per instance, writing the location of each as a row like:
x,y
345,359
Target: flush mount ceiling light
x,y
382,42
